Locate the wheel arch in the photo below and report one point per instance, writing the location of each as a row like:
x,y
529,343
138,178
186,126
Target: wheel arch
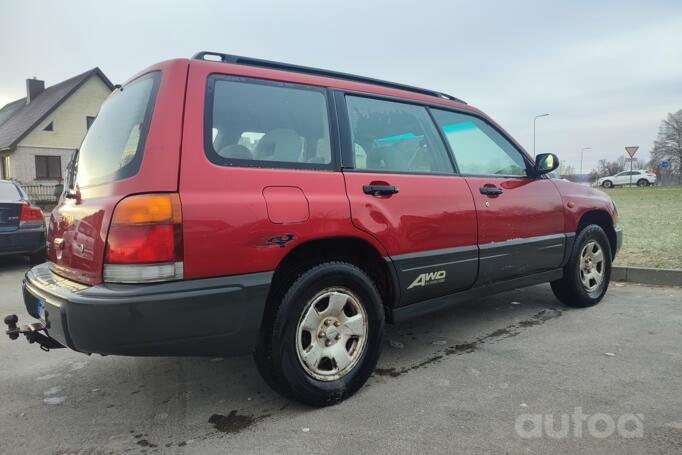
x,y
354,250
602,219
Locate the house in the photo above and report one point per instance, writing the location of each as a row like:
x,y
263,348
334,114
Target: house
x,y
39,133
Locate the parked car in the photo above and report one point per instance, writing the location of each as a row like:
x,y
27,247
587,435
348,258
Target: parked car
x,y
240,205
639,178
22,226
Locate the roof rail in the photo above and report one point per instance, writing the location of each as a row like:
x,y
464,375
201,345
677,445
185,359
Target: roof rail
x,y
239,60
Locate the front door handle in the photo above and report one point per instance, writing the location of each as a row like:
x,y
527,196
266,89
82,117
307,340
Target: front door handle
x,y
491,190
380,190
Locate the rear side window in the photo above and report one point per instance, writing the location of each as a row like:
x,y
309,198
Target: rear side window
x,y
478,148
112,148
9,192
266,124
395,137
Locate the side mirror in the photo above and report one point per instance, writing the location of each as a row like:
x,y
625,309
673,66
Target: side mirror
x,y
546,162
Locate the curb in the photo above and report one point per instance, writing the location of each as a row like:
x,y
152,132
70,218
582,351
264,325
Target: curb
x,y
643,275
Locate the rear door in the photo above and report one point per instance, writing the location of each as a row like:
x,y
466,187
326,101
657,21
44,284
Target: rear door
x,y
404,191
520,218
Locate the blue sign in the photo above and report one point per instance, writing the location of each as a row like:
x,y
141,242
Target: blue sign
x,y
664,164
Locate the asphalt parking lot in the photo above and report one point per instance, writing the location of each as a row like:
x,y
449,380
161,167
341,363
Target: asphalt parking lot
x,y
484,377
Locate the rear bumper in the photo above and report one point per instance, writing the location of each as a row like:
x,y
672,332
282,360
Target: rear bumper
x,y
22,241
207,317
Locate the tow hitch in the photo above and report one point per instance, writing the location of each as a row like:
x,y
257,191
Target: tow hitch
x,y
32,332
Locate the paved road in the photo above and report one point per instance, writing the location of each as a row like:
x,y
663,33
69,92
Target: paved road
x,y
460,381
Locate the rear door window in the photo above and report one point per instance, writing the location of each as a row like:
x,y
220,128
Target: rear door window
x,y
266,124
395,137
113,147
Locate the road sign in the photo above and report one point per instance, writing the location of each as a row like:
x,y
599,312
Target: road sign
x,y
631,151
665,164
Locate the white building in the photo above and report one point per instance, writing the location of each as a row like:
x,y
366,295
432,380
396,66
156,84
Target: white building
x,y
39,133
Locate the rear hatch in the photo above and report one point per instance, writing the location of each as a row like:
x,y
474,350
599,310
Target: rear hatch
x,y
132,147
10,207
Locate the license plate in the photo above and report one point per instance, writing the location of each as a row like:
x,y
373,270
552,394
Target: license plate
x,y
40,309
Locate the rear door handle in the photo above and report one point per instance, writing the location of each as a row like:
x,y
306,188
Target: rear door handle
x,y
491,190
380,190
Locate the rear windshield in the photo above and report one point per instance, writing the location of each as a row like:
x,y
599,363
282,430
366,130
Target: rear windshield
x,y
9,192
112,149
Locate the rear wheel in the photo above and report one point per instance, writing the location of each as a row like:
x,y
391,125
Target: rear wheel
x,y
642,182
326,335
588,272
607,184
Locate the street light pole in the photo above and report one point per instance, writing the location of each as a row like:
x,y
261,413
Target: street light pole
x,y
536,117
581,158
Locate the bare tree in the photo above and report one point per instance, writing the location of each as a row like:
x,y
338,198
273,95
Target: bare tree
x,y
566,169
668,144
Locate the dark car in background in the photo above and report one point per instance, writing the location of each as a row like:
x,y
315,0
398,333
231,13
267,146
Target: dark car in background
x,y
22,226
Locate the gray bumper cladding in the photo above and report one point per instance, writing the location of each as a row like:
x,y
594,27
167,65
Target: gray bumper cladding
x,y
206,317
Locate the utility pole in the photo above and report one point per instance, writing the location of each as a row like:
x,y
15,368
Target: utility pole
x,y
581,158
534,120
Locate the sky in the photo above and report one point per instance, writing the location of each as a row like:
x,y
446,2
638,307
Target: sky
x,y
607,72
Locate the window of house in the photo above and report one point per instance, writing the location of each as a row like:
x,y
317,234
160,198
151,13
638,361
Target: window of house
x,y
395,137
258,123
478,148
48,167
49,127
88,121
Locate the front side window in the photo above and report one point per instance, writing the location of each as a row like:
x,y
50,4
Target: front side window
x,y
478,148
395,137
113,147
254,123
48,167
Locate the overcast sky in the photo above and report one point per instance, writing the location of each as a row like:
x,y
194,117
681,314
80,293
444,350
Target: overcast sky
x,y
607,71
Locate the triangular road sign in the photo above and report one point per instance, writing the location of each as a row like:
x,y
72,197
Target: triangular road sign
x,y
632,150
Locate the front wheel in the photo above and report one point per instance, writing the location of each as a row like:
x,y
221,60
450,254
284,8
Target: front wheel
x,y
326,336
588,272
607,184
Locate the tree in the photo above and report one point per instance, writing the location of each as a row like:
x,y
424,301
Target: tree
x,y
668,143
566,169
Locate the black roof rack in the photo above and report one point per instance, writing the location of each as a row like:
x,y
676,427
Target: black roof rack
x,y
239,60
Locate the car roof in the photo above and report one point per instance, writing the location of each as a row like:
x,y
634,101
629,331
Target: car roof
x,y
286,72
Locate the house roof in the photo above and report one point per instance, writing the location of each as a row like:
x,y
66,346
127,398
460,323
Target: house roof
x,y
18,118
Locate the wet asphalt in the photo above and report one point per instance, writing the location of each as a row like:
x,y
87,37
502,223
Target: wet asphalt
x,y
498,375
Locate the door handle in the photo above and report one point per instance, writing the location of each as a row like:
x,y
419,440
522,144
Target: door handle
x,y
491,190
380,190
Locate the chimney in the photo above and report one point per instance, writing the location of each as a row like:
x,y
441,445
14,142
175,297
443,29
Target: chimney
x,y
34,87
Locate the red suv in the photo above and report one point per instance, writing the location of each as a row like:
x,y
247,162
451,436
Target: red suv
x,y
224,205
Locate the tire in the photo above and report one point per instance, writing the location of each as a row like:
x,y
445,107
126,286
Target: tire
x,y
642,182
607,184
571,289
320,380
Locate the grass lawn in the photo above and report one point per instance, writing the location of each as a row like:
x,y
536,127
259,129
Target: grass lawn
x,y
652,226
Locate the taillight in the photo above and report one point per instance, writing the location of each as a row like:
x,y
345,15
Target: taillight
x,y
31,214
145,240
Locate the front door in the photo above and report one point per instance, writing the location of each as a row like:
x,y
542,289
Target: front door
x,y
520,218
403,190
